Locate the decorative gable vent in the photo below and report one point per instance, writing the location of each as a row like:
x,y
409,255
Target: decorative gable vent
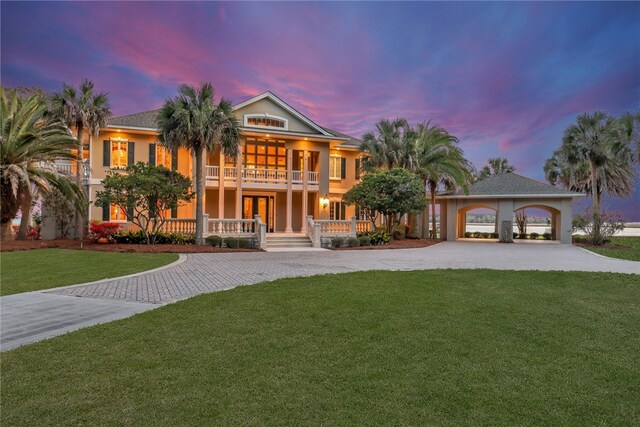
x,y
265,120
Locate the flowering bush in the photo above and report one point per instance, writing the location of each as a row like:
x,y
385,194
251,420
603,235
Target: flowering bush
x,y
34,233
107,230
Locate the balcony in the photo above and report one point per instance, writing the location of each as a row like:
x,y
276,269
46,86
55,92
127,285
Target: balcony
x,y
261,177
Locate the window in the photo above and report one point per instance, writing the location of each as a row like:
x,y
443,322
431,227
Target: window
x,y
119,154
163,157
337,210
335,164
117,214
264,154
265,120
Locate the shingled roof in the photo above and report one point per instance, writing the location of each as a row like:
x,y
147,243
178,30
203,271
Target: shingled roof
x,y
510,185
144,120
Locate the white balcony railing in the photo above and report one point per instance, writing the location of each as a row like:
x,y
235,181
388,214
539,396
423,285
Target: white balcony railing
x,y
261,176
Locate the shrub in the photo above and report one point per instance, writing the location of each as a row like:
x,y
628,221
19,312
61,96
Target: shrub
x,y
379,237
337,242
580,239
399,232
516,235
138,237
534,236
214,241
495,235
468,234
611,222
364,240
244,243
486,235
546,236
353,242
130,237
477,234
232,242
103,230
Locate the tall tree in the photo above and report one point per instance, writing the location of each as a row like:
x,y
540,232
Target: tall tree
x,y
193,120
83,110
389,146
495,166
438,161
31,143
596,156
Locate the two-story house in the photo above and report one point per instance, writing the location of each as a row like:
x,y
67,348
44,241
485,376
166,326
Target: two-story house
x,y
288,167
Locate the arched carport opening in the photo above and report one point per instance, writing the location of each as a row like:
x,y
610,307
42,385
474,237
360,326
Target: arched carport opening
x,y
461,220
554,218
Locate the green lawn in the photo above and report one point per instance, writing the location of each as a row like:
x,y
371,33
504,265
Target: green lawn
x,y
24,271
620,247
443,347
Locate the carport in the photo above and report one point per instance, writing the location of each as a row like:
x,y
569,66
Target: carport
x,y
505,194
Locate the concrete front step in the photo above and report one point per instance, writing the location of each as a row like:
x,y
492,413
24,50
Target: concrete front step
x,y
288,242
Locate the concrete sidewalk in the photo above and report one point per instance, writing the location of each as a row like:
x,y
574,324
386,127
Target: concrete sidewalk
x,y
33,316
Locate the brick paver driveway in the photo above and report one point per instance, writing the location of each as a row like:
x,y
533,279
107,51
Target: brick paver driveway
x,y
37,315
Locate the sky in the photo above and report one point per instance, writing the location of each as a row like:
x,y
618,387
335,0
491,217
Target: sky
x,y
506,78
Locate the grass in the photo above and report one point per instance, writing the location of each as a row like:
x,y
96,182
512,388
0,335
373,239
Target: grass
x,y
443,347
619,247
24,271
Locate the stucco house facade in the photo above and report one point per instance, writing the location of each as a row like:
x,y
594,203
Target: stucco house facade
x,y
288,167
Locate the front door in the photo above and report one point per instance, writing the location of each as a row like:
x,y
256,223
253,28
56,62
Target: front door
x,y
259,205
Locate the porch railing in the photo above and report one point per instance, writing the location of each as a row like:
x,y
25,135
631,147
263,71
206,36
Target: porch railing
x,y
263,176
321,230
179,225
363,226
231,227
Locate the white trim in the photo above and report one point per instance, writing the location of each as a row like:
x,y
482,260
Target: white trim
x,y
284,105
289,134
265,116
116,127
513,196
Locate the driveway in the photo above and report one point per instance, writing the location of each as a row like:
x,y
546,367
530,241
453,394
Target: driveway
x,y
33,316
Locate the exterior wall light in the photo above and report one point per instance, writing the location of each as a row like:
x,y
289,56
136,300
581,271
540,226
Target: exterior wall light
x,y
324,201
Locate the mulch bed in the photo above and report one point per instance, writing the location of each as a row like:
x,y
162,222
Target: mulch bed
x,y
25,245
396,244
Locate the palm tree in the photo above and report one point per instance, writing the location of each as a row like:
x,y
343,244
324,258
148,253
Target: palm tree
x,y
31,143
495,166
388,146
439,161
83,109
597,157
192,120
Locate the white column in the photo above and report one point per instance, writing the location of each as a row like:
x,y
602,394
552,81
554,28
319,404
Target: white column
x,y
452,219
221,185
288,228
305,191
239,184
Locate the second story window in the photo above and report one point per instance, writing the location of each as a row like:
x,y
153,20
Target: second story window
x,y
119,154
163,157
337,167
266,121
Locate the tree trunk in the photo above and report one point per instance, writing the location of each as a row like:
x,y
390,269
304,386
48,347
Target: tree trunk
x,y
199,197
425,216
25,208
79,223
595,200
432,189
7,233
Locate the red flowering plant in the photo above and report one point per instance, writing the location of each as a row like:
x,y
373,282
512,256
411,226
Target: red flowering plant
x,y
103,230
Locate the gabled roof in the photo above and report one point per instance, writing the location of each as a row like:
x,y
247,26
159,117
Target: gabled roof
x,y
272,96
510,185
146,120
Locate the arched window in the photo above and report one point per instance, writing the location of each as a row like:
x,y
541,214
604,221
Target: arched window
x,y
265,121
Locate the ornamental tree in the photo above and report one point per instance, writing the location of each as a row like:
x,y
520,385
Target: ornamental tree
x,y
391,193
147,193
